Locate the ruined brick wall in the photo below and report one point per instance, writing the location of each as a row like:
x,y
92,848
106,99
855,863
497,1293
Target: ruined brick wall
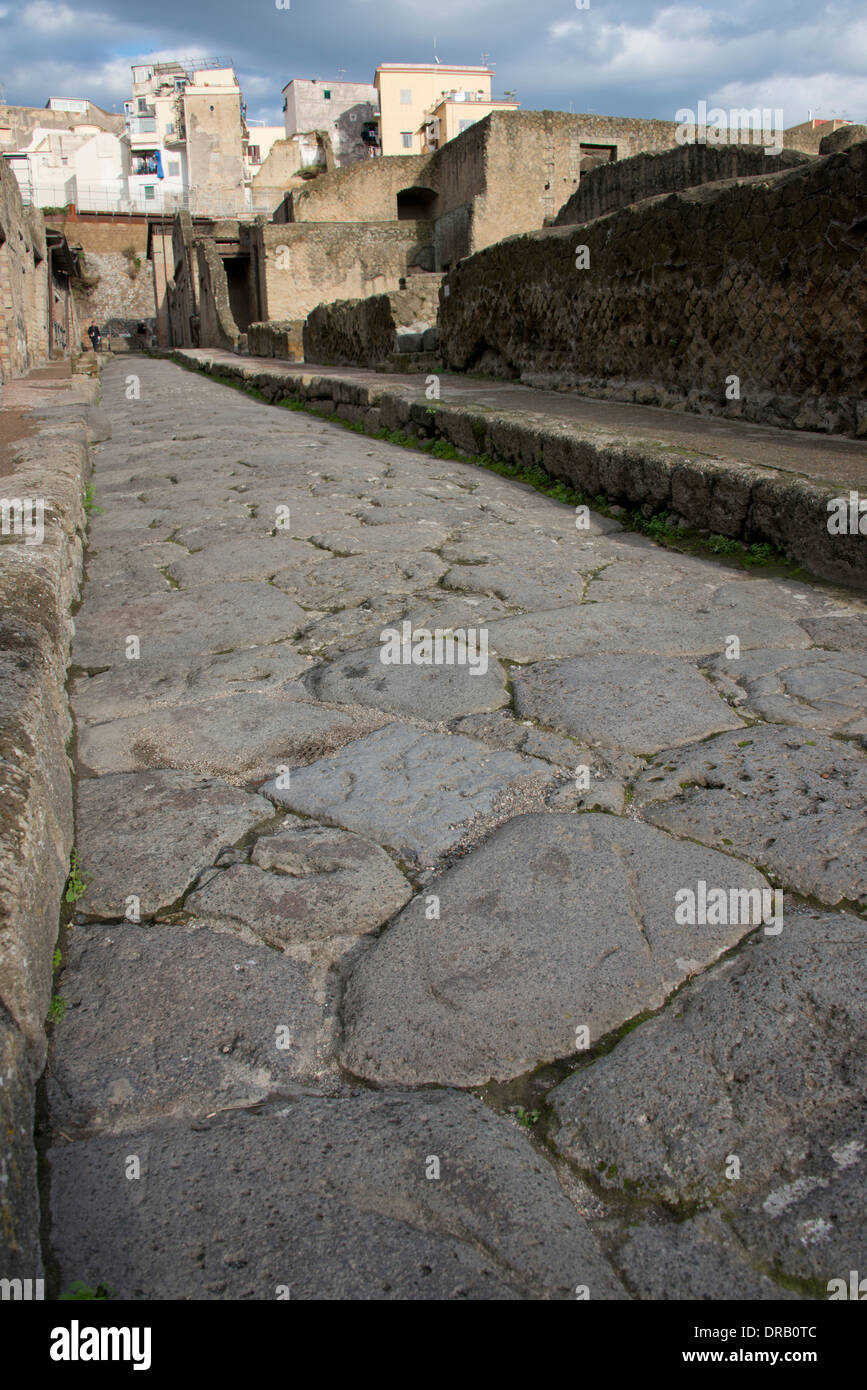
x,y
117,288
611,186
361,332
765,280
307,263
23,282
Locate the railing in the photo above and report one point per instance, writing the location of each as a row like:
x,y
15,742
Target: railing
x,y
96,198
141,125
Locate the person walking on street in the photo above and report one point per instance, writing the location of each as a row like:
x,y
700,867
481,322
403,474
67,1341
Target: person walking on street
x,y
93,335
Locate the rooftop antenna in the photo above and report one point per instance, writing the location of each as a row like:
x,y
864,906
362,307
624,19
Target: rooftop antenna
x,y
341,72
436,59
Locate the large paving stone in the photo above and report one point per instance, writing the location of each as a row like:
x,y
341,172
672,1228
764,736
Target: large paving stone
x,y
308,886
180,1021
759,1059
420,794
381,540
841,632
149,834
329,1198
20,1254
639,704
217,618
621,626
696,1259
250,557
557,921
816,689
332,583
544,585
134,687
242,737
793,804
432,692
813,1226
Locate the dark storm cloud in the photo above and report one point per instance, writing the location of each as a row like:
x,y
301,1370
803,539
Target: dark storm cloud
x,y
625,57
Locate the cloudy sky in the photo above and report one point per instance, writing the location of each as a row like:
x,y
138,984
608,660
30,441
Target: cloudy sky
x,y
621,57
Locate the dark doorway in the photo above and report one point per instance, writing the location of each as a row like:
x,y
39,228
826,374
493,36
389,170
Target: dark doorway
x,y
414,204
237,270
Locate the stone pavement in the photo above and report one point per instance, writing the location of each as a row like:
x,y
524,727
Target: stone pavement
x,y
387,982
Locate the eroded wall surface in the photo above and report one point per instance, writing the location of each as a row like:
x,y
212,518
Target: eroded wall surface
x,y
764,281
306,263
117,289
23,282
362,332
611,186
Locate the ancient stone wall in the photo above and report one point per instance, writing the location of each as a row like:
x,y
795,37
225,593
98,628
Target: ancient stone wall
x,y
117,284
764,280
611,186
305,263
362,192
503,175
841,139
364,332
217,326
23,282
277,338
535,159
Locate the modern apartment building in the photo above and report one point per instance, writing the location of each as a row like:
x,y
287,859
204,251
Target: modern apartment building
x,y
189,143
58,150
422,106
347,111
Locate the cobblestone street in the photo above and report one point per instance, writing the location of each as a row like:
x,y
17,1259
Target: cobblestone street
x,y
532,973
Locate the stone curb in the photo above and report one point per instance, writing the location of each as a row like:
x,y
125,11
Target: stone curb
x,y
38,586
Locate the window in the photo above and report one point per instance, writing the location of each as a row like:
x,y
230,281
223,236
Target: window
x,y
149,192
174,169
170,128
406,139
327,94
142,104
254,155
406,96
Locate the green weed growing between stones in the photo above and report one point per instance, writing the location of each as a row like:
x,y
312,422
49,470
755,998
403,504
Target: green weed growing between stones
x,y
75,884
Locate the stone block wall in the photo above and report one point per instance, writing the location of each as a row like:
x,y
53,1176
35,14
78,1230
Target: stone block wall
x,y
363,332
609,187
217,326
277,338
303,262
23,282
117,283
765,280
362,192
